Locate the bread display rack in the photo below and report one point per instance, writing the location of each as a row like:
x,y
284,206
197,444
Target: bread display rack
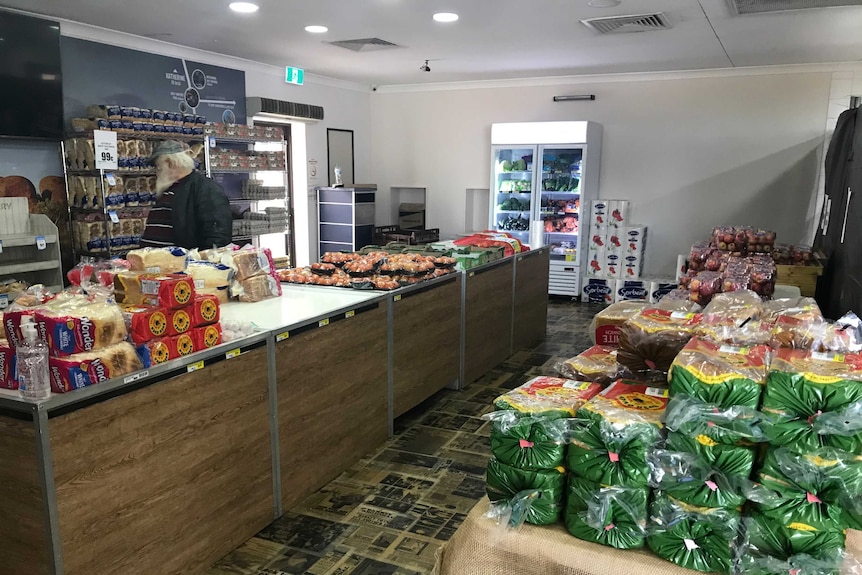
x,y
109,207
32,257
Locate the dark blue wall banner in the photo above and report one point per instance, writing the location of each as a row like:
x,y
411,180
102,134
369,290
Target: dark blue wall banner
x,y
95,73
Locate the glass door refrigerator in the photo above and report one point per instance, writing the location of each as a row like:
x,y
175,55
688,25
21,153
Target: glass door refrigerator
x,y
544,176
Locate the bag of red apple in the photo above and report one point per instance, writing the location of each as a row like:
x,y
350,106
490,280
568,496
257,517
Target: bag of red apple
x,y
698,255
489,239
703,286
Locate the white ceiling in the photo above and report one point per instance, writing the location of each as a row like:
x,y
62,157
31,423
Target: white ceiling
x,y
494,39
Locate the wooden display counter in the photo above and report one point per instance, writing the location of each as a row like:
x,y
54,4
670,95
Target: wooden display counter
x,y
333,391
426,341
488,305
167,470
531,298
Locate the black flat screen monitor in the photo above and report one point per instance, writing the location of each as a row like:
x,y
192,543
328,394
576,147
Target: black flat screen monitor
x,y
31,91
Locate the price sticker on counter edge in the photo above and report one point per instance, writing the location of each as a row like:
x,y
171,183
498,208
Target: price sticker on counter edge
x,y
282,336
41,244
396,298
232,354
323,322
105,144
349,314
136,376
195,366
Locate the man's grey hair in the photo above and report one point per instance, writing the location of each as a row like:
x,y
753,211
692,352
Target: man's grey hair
x,y
182,160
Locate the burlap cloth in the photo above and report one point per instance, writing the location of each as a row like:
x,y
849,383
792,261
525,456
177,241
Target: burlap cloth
x,y
479,547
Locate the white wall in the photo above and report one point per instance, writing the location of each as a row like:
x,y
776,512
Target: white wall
x,y
690,153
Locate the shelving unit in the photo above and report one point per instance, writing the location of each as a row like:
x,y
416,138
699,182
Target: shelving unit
x,y
346,218
24,257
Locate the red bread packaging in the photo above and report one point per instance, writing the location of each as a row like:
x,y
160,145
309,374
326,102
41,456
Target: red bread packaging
x,y
207,336
7,366
84,369
147,323
80,328
169,291
155,351
205,310
181,345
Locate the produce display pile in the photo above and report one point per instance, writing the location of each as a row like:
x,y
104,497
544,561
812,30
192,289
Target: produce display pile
x,y
374,270
743,454
121,316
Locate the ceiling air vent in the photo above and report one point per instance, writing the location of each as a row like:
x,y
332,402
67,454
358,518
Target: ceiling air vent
x,y
632,23
365,44
286,110
742,7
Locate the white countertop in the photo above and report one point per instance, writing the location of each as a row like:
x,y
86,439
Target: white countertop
x,y
297,304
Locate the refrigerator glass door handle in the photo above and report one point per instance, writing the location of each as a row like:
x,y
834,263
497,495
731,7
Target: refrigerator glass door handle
x,y
846,210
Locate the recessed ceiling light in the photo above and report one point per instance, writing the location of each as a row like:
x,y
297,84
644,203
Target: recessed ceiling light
x,y
317,29
604,3
244,7
445,17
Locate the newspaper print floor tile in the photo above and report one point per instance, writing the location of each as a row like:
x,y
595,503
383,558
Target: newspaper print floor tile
x,y
392,510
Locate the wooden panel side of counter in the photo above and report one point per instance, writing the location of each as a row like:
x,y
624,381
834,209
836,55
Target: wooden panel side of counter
x,y
427,336
169,478
531,298
24,535
488,313
332,400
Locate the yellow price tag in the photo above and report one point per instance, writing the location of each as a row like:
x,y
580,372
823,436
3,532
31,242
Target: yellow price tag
x,y
471,274
282,336
349,314
570,257
232,354
323,322
396,298
195,366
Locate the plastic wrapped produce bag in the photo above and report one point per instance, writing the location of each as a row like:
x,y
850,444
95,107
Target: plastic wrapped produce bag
x,y
597,364
723,375
802,388
529,443
624,424
690,479
505,481
692,537
772,539
612,516
815,492
548,397
651,340
708,424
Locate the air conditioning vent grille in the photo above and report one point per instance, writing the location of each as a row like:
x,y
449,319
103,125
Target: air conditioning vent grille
x,y
287,109
631,23
743,7
365,44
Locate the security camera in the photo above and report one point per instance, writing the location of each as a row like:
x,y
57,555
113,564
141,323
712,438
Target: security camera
x,y
373,88
425,67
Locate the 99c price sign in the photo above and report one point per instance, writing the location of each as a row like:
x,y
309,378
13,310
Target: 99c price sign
x,y
105,143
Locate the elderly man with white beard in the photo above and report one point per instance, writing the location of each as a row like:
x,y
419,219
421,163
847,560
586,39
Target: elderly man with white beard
x,y
191,210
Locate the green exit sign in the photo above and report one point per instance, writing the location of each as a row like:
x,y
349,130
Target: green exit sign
x,y
294,75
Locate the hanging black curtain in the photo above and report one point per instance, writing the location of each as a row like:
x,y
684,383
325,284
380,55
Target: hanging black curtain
x,y
839,235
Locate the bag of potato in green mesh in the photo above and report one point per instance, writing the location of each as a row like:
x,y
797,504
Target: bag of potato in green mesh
x,y
723,375
505,481
612,516
693,537
623,424
528,442
803,389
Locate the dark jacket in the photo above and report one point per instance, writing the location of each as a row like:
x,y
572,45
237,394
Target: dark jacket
x,y
201,213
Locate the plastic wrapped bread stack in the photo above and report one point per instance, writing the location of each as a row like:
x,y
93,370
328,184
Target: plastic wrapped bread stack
x,y
651,339
607,460
528,442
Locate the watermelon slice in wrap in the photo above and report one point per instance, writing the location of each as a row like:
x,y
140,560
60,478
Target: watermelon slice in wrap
x,y
624,424
612,516
804,386
692,537
722,375
505,481
529,443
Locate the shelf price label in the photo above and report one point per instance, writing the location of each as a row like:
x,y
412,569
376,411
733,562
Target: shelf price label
x,y
105,144
323,323
41,244
232,354
114,217
195,366
4,301
282,336
349,314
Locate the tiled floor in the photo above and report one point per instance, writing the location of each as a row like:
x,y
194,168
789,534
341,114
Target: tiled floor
x,y
390,512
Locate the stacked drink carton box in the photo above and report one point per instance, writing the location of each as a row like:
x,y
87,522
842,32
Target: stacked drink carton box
x,y
615,257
